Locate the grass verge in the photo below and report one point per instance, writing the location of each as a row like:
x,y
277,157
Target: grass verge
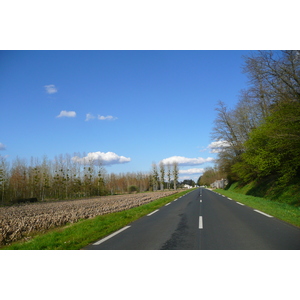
x,y
282,211
267,188
78,235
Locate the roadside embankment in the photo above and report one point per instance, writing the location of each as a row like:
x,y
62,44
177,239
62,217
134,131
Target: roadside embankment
x,y
283,211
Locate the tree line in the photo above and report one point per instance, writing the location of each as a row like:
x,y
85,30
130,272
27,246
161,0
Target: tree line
x,y
261,134
210,175
164,176
66,178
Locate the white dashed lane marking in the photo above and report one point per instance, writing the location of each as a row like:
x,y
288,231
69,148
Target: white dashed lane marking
x,y
110,236
200,222
263,213
153,212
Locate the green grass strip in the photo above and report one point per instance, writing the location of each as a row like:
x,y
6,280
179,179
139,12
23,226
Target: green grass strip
x,y
282,211
78,235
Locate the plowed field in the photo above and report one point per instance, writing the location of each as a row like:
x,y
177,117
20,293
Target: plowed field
x,y
17,222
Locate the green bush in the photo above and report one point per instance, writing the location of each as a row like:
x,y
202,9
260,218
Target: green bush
x,y
132,189
273,148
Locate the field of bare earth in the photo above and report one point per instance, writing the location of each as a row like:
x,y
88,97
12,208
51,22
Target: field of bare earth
x,y
20,221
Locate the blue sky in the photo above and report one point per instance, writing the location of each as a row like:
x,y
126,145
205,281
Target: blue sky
x,y
142,106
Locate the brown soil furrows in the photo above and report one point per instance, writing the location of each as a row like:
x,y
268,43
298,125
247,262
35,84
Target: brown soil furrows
x,y
17,222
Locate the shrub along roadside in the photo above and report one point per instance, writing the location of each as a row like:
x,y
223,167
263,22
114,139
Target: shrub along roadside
x,y
78,235
282,211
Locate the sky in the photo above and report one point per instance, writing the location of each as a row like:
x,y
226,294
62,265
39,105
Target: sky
x,y
128,108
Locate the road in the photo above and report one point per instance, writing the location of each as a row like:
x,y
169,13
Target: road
x,y
203,220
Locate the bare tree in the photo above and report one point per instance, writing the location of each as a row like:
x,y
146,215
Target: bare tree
x,y
155,177
19,180
226,129
162,175
46,176
3,178
169,175
175,174
275,73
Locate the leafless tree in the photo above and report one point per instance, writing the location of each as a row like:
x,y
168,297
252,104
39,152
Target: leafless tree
x,y
169,175
175,174
155,176
226,128
162,175
275,73
3,178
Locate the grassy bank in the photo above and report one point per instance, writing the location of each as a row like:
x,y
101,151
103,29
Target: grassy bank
x,y
268,188
76,236
283,211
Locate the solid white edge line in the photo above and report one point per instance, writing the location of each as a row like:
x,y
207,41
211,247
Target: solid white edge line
x,y
263,213
153,212
240,203
200,222
110,236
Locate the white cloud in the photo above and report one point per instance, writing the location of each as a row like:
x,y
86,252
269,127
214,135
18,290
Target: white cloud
x,y
218,146
50,89
108,158
192,171
68,114
107,118
181,178
2,146
99,117
185,161
89,117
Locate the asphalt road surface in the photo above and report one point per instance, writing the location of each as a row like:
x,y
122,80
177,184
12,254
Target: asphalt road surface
x,y
203,220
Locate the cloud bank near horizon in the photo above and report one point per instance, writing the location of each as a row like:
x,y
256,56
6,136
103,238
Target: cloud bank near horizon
x,y
108,158
192,171
185,161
